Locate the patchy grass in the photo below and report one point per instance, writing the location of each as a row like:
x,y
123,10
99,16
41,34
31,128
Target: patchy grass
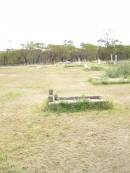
x,y
121,70
112,72
78,107
10,96
108,81
7,168
117,74
87,141
73,65
23,170
97,68
3,156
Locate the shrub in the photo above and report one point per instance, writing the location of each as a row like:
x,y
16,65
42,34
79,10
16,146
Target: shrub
x,y
112,72
3,157
122,70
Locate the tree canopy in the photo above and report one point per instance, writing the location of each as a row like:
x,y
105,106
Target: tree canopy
x,y
32,53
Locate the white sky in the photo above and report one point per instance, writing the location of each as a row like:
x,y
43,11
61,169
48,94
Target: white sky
x,y
52,21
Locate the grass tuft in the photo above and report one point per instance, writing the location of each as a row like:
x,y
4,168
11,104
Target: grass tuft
x,y
24,170
3,157
108,81
121,70
78,107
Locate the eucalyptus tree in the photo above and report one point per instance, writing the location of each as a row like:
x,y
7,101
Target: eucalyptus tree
x,y
90,49
109,42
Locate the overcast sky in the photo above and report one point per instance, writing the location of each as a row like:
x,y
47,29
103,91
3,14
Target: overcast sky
x,y
52,21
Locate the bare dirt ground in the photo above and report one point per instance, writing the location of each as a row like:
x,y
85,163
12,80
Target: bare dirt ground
x,y
32,141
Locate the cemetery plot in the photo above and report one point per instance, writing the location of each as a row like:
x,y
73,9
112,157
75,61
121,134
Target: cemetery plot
x,y
70,138
116,74
76,104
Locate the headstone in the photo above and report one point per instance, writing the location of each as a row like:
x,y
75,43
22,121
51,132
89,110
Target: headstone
x,y
51,92
111,58
51,98
55,97
115,62
86,66
99,61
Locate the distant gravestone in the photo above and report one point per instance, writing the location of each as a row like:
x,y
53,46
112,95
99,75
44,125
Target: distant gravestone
x,y
99,61
115,62
111,58
87,67
51,96
51,92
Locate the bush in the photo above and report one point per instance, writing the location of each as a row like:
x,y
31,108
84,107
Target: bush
x,y
122,70
112,73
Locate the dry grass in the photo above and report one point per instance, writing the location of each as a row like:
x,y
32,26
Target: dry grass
x,y
32,141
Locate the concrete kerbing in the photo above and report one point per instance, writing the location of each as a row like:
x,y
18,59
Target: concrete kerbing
x,y
54,99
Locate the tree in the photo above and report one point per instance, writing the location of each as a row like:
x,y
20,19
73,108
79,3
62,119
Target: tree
x,y
32,45
109,42
91,50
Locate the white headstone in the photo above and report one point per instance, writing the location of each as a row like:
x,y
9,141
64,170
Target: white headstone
x,y
111,58
115,62
99,61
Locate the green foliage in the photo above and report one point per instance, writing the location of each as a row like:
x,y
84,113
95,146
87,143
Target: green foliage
x,y
10,96
97,67
117,74
78,107
108,81
8,168
122,70
113,72
91,50
3,157
24,170
32,45
33,53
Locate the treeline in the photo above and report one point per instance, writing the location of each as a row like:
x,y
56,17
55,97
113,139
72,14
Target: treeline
x,y
35,53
